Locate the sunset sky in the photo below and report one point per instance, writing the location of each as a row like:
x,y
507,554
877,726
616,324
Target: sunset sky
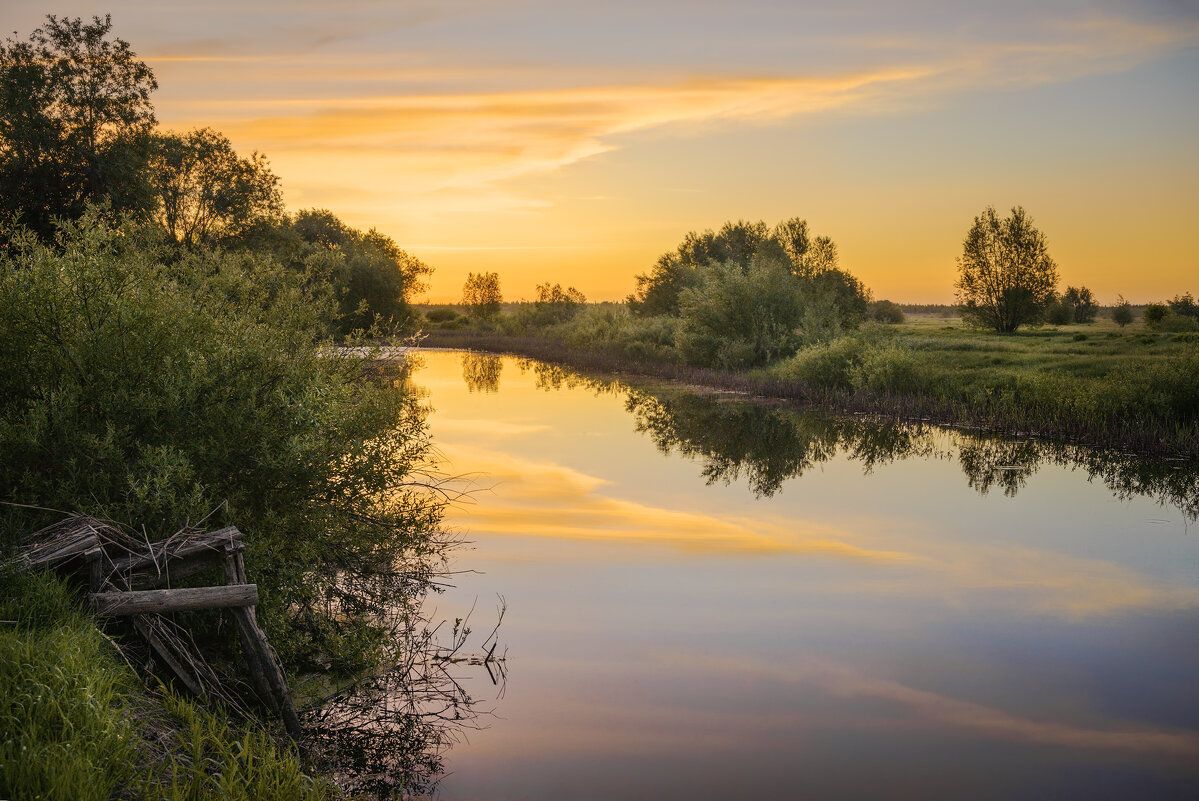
x,y
577,141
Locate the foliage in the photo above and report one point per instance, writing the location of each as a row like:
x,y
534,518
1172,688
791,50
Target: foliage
x,y
372,279
204,191
555,304
660,290
1122,312
137,392
1081,304
75,113
481,295
740,318
886,311
77,724
1006,276
1156,312
1185,306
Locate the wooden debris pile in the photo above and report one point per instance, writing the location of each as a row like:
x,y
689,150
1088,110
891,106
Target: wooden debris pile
x,y
133,578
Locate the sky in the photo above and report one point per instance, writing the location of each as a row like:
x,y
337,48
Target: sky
x,y
575,142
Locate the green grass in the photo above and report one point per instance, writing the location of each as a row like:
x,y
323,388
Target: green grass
x,y
76,724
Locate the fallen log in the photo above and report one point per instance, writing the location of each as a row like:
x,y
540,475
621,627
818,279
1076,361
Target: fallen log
x,y
141,602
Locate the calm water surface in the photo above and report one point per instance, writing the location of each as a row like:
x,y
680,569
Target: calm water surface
x,y
712,600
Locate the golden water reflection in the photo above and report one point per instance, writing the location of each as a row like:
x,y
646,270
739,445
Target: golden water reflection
x,y
697,582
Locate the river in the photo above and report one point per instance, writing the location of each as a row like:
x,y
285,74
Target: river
x,y
712,599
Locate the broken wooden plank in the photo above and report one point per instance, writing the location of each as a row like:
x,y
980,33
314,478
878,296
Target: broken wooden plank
x,y
268,676
255,642
141,602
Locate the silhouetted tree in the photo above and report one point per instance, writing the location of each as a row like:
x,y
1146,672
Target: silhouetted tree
x,y
1006,274
1185,306
75,116
203,190
1122,312
1081,304
481,295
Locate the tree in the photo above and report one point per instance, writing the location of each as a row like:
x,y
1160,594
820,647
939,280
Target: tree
x,y
1081,304
1122,312
1185,306
1006,276
203,190
738,243
75,116
481,295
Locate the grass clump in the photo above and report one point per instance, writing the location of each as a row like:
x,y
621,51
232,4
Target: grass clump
x,y
76,724
66,718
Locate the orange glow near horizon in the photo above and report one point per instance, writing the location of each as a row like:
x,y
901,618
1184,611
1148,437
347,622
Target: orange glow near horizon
x,y
576,144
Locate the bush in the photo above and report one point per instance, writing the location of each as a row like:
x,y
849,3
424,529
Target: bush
x,y
160,396
885,311
1058,313
1155,313
888,368
736,318
829,366
1122,312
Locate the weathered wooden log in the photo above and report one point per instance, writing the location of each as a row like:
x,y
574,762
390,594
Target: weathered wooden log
x,y
95,568
265,671
255,642
60,553
181,600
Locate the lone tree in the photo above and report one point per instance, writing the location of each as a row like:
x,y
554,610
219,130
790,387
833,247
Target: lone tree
x,y
481,295
1006,275
75,119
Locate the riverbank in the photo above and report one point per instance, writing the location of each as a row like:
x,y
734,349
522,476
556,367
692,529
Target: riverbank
x,y
1133,390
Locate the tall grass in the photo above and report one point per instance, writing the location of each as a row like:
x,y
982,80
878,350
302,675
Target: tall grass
x,y
76,724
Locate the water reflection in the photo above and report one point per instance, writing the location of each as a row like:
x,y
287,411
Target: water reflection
x,y
682,637
481,372
736,439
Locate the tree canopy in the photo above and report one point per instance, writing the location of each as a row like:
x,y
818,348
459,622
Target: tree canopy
x,y
1006,276
204,190
481,294
75,116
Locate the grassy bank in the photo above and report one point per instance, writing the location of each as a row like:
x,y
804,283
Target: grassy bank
x,y
1128,388
76,723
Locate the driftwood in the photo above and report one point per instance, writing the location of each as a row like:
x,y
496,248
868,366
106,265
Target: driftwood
x,y
120,570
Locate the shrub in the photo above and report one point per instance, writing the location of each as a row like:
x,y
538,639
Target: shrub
x,y
1122,312
827,366
885,311
1155,313
1058,313
888,368
160,396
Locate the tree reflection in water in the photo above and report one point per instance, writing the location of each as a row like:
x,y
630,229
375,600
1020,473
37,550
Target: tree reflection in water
x,y
481,372
736,438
